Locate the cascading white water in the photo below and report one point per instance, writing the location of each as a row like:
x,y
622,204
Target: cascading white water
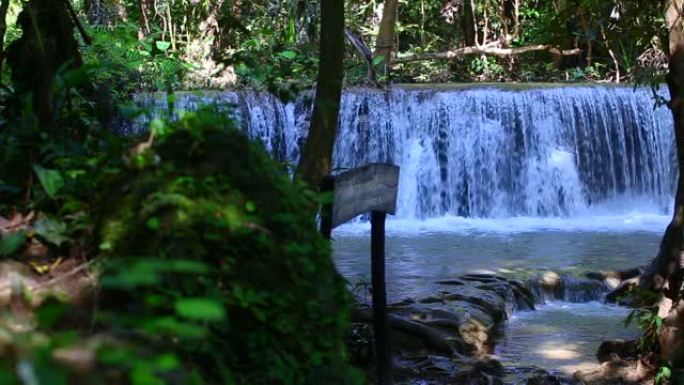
x,y
486,152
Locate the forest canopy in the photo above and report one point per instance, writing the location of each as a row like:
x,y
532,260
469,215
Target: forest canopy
x,y
192,256
188,44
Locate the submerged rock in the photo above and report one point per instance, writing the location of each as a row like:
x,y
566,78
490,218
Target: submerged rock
x,y
617,372
447,338
542,377
616,350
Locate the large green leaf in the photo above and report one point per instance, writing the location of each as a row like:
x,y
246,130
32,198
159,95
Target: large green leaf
x,y
201,309
163,45
51,180
51,230
290,55
12,243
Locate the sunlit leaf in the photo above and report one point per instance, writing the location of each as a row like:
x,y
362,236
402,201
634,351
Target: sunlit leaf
x,y
52,231
200,309
290,55
51,180
163,45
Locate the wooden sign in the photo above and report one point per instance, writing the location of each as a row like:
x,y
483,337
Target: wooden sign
x,y
372,188
364,189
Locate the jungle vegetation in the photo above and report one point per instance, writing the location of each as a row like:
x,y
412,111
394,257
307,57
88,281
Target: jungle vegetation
x,y
162,252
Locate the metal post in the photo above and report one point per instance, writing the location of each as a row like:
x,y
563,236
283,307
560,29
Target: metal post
x,y
327,186
380,325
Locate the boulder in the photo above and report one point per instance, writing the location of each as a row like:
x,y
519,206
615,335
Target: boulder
x,y
617,372
616,350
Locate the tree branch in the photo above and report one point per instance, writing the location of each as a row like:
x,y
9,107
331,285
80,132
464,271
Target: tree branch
x,y
486,50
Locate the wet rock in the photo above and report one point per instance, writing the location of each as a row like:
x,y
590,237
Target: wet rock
x,y
550,280
618,282
461,320
542,377
616,350
446,338
617,372
552,286
435,370
516,296
620,293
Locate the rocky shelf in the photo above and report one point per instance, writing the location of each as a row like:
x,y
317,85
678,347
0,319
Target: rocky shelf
x,y
449,338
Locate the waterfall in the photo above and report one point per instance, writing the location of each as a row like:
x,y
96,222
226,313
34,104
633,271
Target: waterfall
x,y
484,152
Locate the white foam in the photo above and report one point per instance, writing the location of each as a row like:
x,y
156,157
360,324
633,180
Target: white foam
x,y
618,223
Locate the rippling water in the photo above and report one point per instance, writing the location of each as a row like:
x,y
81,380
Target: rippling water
x,y
558,336
561,336
416,259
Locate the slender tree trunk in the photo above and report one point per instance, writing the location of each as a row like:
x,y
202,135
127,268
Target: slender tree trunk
x,y
385,42
4,7
516,28
474,20
668,265
612,55
144,11
485,28
509,15
316,159
587,38
105,12
468,27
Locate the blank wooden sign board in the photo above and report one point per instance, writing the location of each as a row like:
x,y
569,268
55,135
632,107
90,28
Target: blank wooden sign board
x,y
371,188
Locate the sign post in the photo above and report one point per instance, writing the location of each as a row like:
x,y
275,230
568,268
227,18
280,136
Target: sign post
x,y
372,188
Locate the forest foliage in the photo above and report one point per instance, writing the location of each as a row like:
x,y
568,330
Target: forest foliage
x,y
187,44
187,243
274,43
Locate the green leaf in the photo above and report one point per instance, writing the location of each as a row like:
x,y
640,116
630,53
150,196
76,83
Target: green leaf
x,y
49,313
158,128
52,231
166,362
200,309
11,243
51,180
663,374
378,59
153,223
173,325
629,318
290,55
163,45
144,375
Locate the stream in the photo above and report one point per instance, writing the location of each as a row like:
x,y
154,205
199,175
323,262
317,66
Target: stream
x,y
559,336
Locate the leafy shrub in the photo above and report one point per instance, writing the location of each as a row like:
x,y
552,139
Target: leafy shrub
x,y
215,255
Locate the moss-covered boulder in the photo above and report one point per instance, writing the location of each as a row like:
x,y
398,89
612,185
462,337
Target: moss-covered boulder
x,y
206,233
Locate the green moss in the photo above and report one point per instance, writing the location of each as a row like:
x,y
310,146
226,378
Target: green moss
x,y
209,195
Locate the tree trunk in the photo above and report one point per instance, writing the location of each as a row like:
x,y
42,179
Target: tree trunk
x,y
4,7
468,27
385,42
316,159
105,12
667,267
47,44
